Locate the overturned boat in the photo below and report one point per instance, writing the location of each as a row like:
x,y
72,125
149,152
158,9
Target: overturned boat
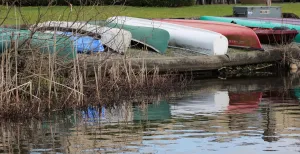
x,y
238,36
115,39
253,24
62,46
273,36
193,39
153,38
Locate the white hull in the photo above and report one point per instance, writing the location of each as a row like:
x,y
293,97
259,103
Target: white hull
x,y
195,39
117,39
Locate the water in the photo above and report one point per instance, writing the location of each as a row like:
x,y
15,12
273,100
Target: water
x,y
254,115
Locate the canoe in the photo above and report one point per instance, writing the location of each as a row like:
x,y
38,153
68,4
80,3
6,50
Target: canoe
x,y
238,36
82,44
193,39
45,43
152,38
116,39
275,20
270,36
252,24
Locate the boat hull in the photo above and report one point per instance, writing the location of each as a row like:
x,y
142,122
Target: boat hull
x,y
153,38
238,36
45,43
252,24
116,39
269,36
193,39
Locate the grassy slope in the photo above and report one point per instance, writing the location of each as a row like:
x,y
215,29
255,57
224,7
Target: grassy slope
x,y
102,12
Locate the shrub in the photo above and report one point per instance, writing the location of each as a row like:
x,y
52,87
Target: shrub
x,y
161,3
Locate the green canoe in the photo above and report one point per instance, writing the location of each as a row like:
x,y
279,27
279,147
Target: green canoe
x,y
251,23
62,46
154,38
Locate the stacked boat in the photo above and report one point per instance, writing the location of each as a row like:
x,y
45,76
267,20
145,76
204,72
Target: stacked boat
x,y
268,32
207,35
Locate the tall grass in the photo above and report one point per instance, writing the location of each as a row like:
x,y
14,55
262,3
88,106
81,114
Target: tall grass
x,y
83,13
34,81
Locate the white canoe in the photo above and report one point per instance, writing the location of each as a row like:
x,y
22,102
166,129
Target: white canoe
x,y
195,39
117,39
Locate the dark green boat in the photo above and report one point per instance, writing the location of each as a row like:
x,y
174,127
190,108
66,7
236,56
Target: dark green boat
x,y
62,46
154,38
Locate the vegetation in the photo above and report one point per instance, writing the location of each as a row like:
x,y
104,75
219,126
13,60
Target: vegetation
x,y
34,81
161,3
31,14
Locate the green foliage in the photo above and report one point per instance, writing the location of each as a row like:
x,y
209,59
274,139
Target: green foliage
x,y
53,2
158,3
161,3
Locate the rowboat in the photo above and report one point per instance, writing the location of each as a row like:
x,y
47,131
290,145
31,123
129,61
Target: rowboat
x,y
238,36
253,24
82,44
270,36
45,43
193,39
152,38
116,39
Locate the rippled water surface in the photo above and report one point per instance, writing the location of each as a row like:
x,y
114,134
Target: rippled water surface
x,y
214,116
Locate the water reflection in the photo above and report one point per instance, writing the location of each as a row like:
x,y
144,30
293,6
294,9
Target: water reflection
x,y
232,116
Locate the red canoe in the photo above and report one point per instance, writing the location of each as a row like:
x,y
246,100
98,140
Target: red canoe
x,y
238,36
270,36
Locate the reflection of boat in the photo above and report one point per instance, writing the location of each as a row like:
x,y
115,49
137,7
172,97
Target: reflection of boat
x,y
244,102
204,103
154,111
297,93
118,113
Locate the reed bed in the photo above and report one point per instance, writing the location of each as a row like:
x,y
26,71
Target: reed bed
x,y
34,82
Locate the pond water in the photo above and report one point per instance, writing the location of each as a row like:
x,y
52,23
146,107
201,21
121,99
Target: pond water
x,y
250,115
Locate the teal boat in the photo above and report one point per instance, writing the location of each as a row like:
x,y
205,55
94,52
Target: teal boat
x,y
253,24
154,38
62,46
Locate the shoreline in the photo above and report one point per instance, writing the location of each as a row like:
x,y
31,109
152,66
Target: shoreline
x,y
181,61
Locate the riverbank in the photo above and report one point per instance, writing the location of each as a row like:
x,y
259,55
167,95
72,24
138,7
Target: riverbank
x,y
181,61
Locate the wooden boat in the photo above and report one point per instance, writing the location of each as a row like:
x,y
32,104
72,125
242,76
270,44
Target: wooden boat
x,y
253,24
271,36
194,39
152,38
116,39
61,46
238,36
